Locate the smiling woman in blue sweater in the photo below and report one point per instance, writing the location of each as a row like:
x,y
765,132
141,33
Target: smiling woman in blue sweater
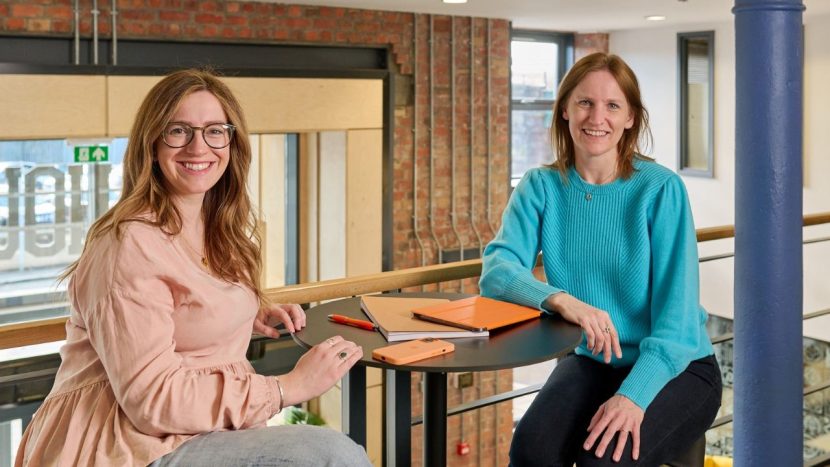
x,y
620,256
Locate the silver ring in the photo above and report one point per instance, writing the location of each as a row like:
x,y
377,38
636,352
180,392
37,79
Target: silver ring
x,y
330,341
607,330
343,355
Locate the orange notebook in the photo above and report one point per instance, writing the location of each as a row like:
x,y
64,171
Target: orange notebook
x,y
476,313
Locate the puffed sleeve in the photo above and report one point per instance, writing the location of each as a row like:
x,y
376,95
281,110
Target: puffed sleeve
x,y
676,314
132,331
507,271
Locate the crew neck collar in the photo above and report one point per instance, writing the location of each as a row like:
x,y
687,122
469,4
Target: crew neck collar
x,y
589,188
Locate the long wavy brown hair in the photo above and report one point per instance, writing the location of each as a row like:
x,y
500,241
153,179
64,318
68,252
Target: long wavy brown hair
x,y
232,239
634,140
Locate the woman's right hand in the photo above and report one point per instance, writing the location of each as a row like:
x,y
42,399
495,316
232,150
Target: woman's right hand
x,y
318,370
599,329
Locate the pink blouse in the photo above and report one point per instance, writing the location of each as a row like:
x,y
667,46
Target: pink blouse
x,y
154,354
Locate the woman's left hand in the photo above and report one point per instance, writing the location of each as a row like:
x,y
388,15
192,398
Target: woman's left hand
x,y
268,316
617,415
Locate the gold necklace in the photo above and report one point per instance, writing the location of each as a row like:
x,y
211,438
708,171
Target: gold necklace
x,y
201,256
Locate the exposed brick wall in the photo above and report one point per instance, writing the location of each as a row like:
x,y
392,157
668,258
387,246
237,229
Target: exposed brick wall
x,y
209,20
585,44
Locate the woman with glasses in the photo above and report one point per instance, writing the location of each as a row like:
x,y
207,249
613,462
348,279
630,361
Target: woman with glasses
x,y
164,299
620,255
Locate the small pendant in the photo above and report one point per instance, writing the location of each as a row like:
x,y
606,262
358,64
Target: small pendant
x,y
588,196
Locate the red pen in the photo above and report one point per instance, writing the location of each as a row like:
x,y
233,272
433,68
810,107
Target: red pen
x,y
358,323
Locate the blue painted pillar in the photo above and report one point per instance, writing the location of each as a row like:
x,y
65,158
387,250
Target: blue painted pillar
x,y
768,251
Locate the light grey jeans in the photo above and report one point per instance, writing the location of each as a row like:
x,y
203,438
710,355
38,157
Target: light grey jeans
x,y
294,445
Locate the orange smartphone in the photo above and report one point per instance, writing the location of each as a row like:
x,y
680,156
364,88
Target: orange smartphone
x,y
412,351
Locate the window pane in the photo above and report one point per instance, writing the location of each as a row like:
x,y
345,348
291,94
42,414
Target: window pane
x,y
47,203
698,111
695,55
535,70
530,140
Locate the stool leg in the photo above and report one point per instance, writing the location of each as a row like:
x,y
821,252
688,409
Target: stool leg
x,y
695,456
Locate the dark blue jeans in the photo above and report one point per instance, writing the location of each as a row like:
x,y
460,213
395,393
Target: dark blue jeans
x,y
552,431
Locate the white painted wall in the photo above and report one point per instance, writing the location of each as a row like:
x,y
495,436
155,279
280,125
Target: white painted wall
x,y
652,54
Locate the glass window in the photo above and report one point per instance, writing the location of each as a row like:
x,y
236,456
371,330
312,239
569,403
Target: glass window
x,y
47,203
538,62
696,56
534,70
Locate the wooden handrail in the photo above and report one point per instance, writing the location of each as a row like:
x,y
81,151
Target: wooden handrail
x,y
32,332
53,329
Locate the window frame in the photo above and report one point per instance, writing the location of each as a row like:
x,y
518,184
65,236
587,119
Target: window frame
x,y
565,41
683,168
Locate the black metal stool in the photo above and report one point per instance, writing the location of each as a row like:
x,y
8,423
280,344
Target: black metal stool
x,y
693,457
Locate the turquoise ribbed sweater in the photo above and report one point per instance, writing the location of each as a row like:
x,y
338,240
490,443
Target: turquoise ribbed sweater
x,y
630,250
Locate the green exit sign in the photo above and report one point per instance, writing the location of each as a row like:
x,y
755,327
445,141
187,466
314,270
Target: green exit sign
x,y
91,154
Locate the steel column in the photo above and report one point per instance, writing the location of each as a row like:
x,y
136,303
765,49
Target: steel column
x,y
768,252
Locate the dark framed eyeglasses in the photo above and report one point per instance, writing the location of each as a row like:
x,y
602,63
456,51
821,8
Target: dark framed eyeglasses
x,y
216,135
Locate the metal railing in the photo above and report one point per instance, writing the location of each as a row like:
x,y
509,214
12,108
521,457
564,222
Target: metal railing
x,y
50,330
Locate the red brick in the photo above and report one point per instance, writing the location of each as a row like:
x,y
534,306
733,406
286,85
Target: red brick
x,y
208,30
208,6
174,16
14,24
299,23
61,26
311,36
320,23
295,11
236,20
136,15
232,7
4,10
135,29
207,18
58,12
26,10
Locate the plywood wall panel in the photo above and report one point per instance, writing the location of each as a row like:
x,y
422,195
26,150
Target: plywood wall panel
x,y
52,106
364,202
124,97
302,104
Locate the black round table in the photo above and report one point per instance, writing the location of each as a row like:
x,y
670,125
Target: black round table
x,y
523,344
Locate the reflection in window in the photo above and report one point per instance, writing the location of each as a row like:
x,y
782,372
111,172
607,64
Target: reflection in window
x,y
538,63
696,55
534,70
530,140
